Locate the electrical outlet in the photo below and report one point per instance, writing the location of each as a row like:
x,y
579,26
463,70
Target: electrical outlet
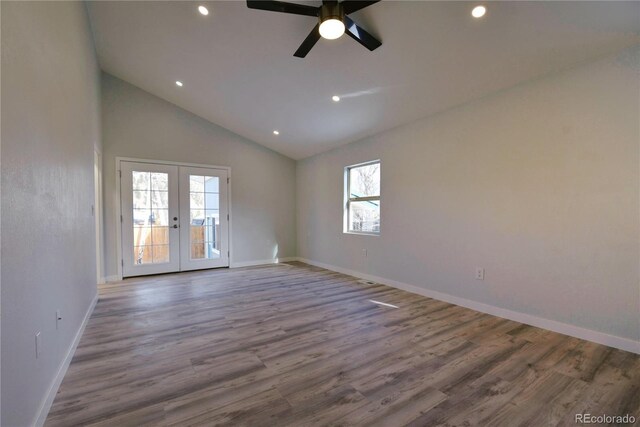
x,y
58,318
364,253
479,273
38,346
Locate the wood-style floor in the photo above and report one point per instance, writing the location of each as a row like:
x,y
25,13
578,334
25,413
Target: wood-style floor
x,y
302,346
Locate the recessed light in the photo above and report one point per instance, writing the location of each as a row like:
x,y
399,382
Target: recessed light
x,y
335,98
203,10
478,11
275,132
178,83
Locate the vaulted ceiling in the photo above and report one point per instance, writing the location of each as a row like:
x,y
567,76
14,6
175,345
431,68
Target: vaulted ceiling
x,y
239,72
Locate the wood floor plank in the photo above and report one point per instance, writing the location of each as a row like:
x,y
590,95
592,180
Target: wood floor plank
x,y
250,410
297,345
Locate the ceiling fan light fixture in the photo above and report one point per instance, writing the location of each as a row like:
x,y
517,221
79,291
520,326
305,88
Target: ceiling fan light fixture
x,y
331,20
331,29
478,11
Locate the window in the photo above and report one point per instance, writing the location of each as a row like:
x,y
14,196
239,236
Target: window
x,y
362,198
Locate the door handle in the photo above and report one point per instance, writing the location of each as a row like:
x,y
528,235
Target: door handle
x,y
175,225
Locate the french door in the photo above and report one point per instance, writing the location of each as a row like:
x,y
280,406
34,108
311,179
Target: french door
x,y
204,224
174,218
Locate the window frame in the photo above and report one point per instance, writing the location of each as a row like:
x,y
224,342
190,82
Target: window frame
x,y
348,199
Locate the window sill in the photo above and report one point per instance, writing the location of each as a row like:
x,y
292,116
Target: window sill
x,y
361,233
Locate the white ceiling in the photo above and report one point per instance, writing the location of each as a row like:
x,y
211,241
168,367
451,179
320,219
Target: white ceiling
x,y
239,72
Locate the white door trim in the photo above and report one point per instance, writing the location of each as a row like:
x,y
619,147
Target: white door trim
x,y
118,210
98,219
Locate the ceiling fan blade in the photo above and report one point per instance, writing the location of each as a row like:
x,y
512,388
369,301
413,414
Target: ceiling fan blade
x,y
353,6
360,35
309,42
279,6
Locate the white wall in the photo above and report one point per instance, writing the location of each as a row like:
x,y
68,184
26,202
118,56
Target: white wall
x,y
140,125
50,125
538,184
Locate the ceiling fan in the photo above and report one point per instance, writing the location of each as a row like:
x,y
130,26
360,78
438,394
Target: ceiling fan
x,y
333,21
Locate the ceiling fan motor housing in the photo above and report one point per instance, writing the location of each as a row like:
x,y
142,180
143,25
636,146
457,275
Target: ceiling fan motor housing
x,y
331,10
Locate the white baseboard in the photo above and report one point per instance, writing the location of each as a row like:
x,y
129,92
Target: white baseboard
x,y
261,262
116,278
45,406
552,325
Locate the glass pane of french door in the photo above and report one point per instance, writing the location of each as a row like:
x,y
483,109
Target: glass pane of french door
x,y
204,211
150,217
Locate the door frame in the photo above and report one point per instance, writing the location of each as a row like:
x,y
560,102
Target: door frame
x,y
98,218
118,209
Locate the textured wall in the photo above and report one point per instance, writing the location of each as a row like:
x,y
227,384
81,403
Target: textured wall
x,y
538,184
50,126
